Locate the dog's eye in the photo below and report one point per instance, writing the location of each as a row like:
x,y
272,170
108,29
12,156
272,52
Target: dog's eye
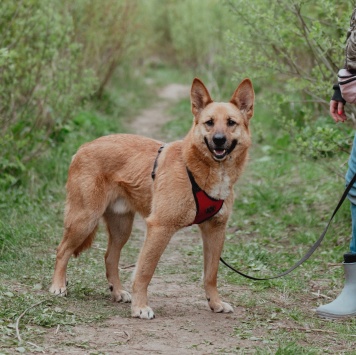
x,y
231,122
210,123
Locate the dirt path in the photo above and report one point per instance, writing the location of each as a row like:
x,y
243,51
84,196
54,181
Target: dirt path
x,y
184,323
151,120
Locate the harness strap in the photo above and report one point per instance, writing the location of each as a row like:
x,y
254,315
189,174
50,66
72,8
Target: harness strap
x,y
195,186
206,206
311,249
153,174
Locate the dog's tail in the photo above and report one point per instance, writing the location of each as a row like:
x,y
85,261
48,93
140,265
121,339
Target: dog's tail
x,y
86,243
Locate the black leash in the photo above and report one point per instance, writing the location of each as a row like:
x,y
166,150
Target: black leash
x,y
310,251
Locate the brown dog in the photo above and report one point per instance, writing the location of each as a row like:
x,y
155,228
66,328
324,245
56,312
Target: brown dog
x,y
110,177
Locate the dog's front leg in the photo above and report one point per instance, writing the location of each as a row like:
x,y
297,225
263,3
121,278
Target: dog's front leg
x,y
155,243
213,235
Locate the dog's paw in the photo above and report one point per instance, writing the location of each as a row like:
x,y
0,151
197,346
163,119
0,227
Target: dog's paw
x,y
121,296
58,290
143,312
221,307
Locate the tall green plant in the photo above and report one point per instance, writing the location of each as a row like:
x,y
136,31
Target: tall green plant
x,y
110,33
54,56
190,34
298,43
42,81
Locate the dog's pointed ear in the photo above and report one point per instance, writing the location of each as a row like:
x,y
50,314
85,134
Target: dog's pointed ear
x,y
244,97
199,96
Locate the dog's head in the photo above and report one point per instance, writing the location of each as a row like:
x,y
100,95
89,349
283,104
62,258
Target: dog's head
x,y
222,128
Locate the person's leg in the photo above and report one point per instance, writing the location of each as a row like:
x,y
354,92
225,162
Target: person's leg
x,y
353,237
345,304
351,171
352,197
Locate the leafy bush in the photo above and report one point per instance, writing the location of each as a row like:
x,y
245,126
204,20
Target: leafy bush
x,y
298,44
323,140
110,32
293,50
53,57
42,81
189,34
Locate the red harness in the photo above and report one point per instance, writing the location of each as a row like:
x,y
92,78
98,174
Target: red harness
x,y
207,206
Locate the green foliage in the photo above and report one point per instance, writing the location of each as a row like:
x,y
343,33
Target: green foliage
x,y
292,51
196,31
323,140
189,34
110,33
298,44
182,123
53,58
42,81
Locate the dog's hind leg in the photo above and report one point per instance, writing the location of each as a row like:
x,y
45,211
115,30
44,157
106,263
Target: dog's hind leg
x,y
87,200
119,227
78,235
213,240
74,241
80,226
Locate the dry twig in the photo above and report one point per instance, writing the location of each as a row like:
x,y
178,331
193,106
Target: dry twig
x,y
22,314
309,330
127,266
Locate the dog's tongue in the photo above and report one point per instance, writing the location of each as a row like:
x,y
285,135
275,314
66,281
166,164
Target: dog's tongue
x,y
219,152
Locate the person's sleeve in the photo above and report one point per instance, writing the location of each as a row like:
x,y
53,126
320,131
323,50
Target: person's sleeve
x,y
337,94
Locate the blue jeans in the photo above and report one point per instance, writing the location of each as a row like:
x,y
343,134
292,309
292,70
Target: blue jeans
x,y
352,194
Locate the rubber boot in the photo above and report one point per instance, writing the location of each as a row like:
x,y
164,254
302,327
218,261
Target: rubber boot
x,y
345,304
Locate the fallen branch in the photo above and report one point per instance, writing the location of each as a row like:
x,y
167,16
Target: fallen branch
x,y
309,330
334,264
127,266
318,295
127,334
22,314
36,346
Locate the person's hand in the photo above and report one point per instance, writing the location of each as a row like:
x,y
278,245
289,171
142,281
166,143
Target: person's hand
x,y
337,111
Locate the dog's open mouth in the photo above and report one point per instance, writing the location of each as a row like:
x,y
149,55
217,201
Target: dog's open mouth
x,y
219,153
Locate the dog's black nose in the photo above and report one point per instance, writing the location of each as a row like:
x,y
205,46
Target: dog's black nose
x,y
219,139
